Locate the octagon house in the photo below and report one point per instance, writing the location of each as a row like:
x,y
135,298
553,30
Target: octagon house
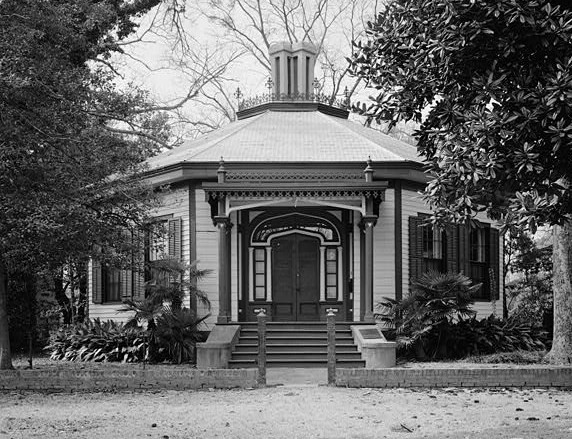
x,y
296,210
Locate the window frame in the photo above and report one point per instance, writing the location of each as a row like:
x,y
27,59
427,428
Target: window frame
x,y
334,273
260,250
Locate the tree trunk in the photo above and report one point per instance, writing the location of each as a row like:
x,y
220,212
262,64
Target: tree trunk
x,y
561,352
61,297
5,353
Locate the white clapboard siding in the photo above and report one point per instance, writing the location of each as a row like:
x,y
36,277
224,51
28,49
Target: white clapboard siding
x,y
384,250
207,255
175,203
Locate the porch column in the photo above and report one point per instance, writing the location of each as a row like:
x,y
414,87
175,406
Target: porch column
x,y
269,273
340,275
224,225
322,273
369,222
251,274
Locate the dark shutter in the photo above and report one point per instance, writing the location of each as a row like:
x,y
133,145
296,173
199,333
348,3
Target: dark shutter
x,y
494,262
138,272
452,249
415,248
175,238
96,282
126,284
464,250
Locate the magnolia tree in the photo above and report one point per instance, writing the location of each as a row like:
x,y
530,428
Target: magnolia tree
x,y
491,85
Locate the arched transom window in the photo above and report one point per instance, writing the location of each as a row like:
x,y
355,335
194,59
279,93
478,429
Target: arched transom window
x,y
285,223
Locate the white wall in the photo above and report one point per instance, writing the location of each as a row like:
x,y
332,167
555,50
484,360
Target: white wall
x,y
207,254
384,250
176,203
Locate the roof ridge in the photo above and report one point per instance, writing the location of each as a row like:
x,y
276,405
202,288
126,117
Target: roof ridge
x,y
348,123
220,139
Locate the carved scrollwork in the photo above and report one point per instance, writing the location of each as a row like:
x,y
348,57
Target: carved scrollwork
x,y
322,98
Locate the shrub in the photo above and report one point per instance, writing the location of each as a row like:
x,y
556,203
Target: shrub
x,y
492,335
436,321
172,330
423,319
514,357
98,341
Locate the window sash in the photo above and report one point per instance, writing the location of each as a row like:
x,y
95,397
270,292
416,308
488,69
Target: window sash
x,y
259,269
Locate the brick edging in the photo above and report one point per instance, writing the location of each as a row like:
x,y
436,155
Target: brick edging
x,y
105,379
466,377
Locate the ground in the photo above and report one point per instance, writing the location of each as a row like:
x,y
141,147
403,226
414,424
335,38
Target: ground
x,y
295,410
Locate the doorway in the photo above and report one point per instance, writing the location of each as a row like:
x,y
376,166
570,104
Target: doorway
x,y
296,277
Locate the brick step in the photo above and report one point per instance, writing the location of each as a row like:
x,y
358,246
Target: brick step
x,y
276,339
297,355
303,347
294,333
234,364
296,325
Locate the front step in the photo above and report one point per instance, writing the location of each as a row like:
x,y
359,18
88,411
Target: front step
x,y
236,364
295,344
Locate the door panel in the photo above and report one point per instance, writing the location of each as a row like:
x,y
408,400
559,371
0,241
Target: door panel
x,y
283,280
308,278
295,278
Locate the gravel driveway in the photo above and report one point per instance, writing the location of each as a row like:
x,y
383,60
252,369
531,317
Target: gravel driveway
x,y
293,411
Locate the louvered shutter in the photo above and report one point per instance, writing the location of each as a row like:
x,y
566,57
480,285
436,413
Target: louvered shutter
x,y
464,250
494,259
415,248
138,273
126,284
96,282
452,252
175,244
175,238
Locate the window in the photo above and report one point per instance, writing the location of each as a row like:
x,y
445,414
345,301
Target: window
x,y
433,248
477,244
472,250
157,249
111,284
259,274
114,285
332,273
479,260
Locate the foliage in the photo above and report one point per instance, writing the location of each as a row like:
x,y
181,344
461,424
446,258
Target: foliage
x,y
514,357
494,82
529,291
493,335
171,329
98,341
72,142
436,321
496,79
435,303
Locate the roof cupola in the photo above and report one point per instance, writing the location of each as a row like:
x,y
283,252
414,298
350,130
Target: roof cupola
x,y
292,68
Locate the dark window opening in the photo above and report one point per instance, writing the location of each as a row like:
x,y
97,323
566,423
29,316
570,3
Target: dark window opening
x,y
259,274
332,273
111,284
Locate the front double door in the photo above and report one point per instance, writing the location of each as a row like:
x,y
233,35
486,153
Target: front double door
x,y
295,277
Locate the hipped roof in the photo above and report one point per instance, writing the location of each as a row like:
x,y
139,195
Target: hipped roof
x,y
290,136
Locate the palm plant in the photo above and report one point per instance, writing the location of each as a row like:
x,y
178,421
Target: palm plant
x,y
423,319
172,329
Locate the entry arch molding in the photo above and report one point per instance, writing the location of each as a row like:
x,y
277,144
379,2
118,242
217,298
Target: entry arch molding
x,y
329,261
